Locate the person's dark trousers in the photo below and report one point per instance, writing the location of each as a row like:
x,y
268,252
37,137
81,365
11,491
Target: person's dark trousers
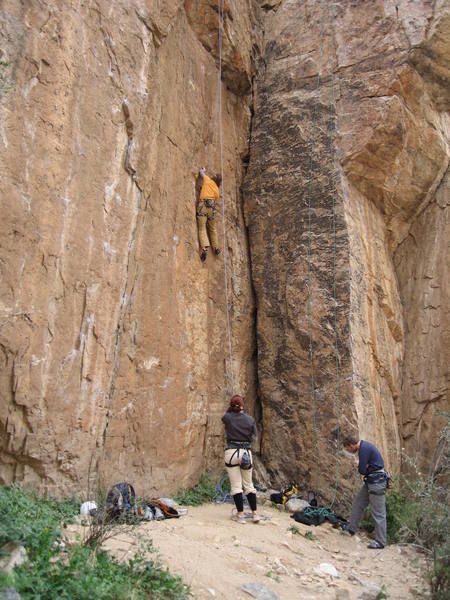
x,y
373,494
252,500
239,501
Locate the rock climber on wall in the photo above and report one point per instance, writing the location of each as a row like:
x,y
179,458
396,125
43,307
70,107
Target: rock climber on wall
x,y
206,213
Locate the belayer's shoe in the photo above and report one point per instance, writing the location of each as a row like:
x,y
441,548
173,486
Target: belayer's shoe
x,y
217,251
375,545
203,255
346,528
239,519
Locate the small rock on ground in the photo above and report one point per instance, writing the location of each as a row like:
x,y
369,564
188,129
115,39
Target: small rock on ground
x,y
14,556
259,591
296,504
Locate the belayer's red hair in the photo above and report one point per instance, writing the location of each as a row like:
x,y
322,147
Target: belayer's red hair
x,y
236,403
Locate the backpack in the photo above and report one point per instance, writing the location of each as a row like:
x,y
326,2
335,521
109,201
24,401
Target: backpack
x,y
121,498
316,516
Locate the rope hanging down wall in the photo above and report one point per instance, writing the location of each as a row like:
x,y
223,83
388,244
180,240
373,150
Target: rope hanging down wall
x,y
326,7
220,7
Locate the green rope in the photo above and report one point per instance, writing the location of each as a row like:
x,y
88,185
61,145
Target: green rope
x,y
317,511
336,349
311,353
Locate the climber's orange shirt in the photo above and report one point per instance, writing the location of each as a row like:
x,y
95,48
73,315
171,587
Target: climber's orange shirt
x,y
209,189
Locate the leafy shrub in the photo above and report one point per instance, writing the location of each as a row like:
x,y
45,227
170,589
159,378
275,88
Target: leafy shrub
x,y
30,521
204,491
74,571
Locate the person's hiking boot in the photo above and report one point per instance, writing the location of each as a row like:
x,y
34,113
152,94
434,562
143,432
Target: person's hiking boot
x,y
239,519
347,529
217,251
256,518
375,545
203,255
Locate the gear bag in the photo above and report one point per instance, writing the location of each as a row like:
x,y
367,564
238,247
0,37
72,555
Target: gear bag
x,y
246,461
291,491
121,499
316,516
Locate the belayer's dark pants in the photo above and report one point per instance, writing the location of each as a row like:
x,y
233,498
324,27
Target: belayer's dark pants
x,y
373,494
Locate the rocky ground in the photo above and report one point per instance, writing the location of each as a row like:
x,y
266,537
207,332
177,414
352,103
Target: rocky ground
x,y
217,557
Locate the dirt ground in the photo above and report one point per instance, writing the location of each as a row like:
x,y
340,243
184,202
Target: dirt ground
x,y
216,556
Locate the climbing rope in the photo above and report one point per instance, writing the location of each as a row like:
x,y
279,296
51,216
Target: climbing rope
x,y
216,112
333,205
325,4
220,11
311,352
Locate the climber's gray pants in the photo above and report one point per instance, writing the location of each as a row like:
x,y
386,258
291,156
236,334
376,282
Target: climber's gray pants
x,y
375,495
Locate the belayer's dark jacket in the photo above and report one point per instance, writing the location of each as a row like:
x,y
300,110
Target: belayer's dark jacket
x,y
239,427
370,459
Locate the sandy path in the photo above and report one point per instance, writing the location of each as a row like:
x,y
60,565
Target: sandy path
x,y
215,556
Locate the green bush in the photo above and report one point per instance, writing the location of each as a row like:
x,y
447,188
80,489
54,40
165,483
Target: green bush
x,y
73,571
204,491
30,521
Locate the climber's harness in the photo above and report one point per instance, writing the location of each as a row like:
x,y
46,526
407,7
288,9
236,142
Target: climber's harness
x,y
238,445
210,203
377,482
245,461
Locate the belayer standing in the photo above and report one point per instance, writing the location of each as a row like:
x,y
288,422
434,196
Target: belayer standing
x,y
373,492
240,430
206,213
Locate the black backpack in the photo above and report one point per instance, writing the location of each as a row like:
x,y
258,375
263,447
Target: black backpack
x,y
121,499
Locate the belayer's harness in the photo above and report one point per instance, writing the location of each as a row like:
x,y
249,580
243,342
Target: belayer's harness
x,y
377,477
238,445
245,461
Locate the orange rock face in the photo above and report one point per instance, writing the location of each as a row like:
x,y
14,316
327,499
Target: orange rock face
x,y
115,351
117,358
